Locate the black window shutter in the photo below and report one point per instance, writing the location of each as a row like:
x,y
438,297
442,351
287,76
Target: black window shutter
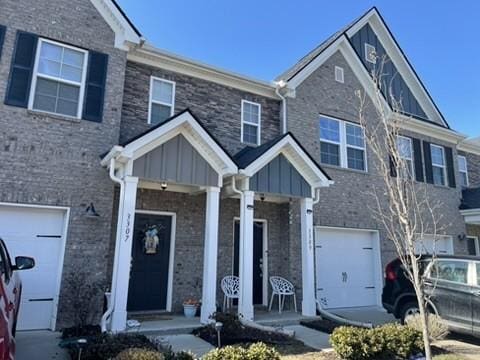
x,y
450,168
3,30
417,158
95,86
393,167
427,159
23,60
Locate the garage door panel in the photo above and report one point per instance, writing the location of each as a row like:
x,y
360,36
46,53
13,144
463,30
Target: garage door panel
x,y
345,268
37,233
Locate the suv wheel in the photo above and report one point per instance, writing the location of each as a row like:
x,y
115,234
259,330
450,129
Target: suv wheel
x,y
409,309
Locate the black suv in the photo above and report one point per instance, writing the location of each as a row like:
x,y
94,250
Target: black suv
x,y
453,284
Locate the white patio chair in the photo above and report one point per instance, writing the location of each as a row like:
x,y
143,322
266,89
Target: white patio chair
x,y
282,287
231,290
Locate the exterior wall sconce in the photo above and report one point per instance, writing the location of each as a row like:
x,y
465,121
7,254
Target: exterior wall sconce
x,y
91,212
250,207
262,197
164,186
462,237
309,211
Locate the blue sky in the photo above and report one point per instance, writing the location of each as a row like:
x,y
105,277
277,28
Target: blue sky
x,y
263,38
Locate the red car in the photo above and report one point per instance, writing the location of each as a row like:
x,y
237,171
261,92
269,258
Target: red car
x,y
10,292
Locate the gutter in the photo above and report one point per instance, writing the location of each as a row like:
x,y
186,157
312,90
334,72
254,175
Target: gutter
x,y
280,85
113,288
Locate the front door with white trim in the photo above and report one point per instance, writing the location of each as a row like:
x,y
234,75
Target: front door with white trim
x,y
148,287
39,233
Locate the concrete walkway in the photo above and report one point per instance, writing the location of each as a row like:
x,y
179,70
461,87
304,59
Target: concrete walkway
x,y
39,345
313,338
185,342
372,314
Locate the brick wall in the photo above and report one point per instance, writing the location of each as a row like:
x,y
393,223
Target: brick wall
x,y
51,160
216,106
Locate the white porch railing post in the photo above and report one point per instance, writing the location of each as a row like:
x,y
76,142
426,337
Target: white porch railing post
x,y
308,266
119,316
209,287
245,303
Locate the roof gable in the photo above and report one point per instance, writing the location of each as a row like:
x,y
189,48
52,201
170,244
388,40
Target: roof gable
x,y
420,99
126,34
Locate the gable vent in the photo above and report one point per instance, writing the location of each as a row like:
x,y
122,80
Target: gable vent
x,y
339,76
370,53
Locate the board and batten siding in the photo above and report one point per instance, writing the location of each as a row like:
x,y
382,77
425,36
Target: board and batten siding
x,y
280,177
390,76
178,162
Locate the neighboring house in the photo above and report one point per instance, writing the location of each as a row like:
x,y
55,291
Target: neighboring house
x,y
197,172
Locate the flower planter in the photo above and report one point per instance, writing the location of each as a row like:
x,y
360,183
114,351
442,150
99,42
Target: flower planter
x,y
189,310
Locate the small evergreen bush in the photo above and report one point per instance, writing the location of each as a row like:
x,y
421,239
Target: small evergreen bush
x,y
139,354
256,351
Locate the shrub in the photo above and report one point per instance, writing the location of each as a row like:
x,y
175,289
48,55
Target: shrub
x,y
257,351
107,346
390,341
438,330
139,354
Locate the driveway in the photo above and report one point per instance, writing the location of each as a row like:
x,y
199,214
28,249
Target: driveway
x,y
372,314
39,345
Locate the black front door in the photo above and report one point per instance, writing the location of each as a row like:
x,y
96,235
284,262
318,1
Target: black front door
x,y
257,259
148,285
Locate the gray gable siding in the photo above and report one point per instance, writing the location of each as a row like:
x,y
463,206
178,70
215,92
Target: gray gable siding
x,y
391,78
280,177
175,161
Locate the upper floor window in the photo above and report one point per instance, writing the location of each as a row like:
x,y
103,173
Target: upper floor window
x,y
342,144
370,53
438,164
251,119
405,150
162,100
462,168
58,79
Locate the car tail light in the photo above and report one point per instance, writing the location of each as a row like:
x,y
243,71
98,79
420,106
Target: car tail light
x,y
390,273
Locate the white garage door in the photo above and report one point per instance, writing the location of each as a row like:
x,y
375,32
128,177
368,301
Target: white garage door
x,y
439,245
38,233
348,270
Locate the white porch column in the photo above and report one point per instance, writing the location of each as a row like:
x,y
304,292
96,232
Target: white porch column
x,y
245,303
308,266
210,255
125,236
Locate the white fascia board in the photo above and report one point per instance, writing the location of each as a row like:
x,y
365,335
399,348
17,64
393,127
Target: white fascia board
x,y
125,35
470,145
402,65
315,177
428,129
186,125
152,56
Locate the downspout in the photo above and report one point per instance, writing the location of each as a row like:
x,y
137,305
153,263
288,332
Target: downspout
x,y
280,85
113,288
327,314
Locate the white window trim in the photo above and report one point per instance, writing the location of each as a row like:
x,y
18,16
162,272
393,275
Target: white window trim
x,y
411,158
151,101
367,58
444,166
341,73
35,76
259,125
466,168
343,144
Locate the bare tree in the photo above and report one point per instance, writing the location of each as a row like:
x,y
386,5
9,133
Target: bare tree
x,y
402,206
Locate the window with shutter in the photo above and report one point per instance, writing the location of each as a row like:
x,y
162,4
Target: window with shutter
x,y
59,77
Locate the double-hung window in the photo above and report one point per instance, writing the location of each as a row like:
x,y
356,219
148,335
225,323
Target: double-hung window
x,y
251,119
58,79
162,100
405,150
342,144
462,168
438,164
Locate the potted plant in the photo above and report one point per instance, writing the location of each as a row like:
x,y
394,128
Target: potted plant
x,y
190,307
